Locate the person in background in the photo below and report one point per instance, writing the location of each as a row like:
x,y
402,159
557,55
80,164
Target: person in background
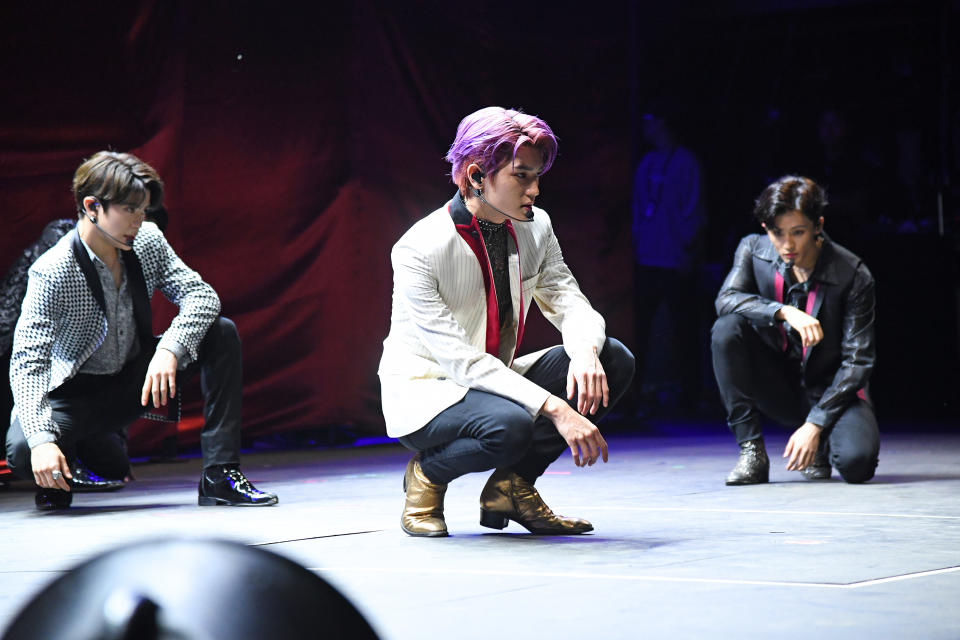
x,y
669,217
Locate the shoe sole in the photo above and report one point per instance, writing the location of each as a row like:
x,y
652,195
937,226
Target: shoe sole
x,y
494,520
425,534
205,501
77,489
742,483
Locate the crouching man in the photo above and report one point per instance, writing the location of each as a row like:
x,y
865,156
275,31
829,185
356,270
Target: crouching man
x,y
85,362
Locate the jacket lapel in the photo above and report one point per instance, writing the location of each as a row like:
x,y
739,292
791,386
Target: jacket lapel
x,y
89,272
824,275
815,300
141,301
516,288
469,230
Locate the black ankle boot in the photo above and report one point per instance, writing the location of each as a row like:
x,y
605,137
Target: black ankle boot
x,y
753,467
820,468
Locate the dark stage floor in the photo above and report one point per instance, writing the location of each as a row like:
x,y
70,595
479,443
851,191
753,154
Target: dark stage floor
x,y
675,553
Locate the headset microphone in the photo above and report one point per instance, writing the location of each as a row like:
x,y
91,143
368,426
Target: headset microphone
x,y
478,177
96,224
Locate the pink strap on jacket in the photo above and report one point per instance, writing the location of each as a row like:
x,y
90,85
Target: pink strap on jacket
x,y
778,285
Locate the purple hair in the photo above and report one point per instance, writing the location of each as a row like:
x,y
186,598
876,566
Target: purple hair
x,y
493,135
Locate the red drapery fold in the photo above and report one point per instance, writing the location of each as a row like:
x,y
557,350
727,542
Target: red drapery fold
x,y
297,145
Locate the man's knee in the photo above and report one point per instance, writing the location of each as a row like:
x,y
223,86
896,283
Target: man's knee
x,y
855,466
224,332
513,435
855,462
18,452
728,329
618,362
221,341
855,443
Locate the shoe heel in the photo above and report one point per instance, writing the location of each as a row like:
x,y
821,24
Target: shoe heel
x,y
492,520
205,501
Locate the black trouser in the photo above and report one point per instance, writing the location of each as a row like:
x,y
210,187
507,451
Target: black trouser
x,y
486,431
656,285
755,377
91,407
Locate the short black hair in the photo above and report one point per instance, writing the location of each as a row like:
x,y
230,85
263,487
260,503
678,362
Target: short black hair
x,y
790,193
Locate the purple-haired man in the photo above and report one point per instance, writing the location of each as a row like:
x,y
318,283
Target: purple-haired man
x,y
453,389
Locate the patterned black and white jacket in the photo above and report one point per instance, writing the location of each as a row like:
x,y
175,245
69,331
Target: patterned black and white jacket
x,y
62,321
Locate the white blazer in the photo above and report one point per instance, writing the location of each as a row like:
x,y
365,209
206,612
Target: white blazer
x,y
436,349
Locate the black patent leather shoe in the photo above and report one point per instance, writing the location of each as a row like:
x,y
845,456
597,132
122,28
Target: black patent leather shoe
x,y
52,499
753,466
226,485
86,481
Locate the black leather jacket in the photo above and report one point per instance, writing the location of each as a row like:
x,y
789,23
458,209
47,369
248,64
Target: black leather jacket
x,y
837,368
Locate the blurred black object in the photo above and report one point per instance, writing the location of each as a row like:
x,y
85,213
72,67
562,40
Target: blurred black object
x,y
190,589
160,217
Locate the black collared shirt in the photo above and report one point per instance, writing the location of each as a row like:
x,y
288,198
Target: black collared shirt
x,y
796,296
121,343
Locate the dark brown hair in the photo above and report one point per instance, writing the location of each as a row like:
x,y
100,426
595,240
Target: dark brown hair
x,y
113,177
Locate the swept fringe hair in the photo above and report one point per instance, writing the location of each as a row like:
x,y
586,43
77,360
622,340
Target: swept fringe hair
x,y
790,193
493,135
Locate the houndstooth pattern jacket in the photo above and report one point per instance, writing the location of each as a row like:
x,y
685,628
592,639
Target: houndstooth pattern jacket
x,y
62,323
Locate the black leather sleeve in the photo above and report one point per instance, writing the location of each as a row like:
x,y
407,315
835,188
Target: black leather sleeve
x,y
740,293
857,348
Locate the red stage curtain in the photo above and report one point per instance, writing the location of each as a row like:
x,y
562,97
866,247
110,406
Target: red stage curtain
x,y
298,141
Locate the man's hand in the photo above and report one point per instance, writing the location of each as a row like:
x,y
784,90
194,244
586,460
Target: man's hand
x,y
45,459
802,446
582,436
161,380
587,374
808,327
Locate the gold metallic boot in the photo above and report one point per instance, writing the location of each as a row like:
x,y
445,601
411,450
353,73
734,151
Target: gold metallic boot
x,y
507,496
423,511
